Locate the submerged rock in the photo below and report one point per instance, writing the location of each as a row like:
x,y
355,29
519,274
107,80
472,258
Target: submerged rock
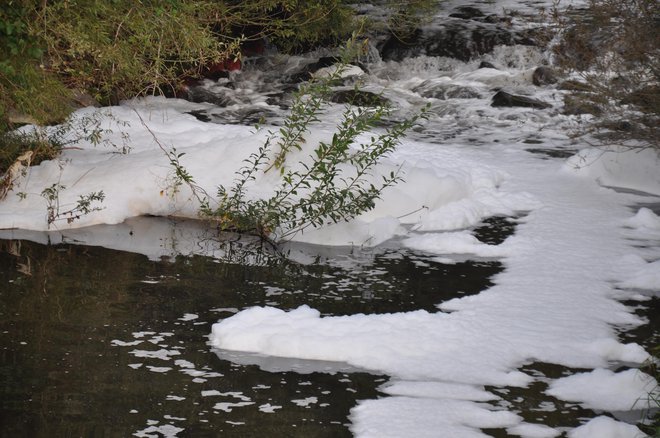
x,y
444,90
201,94
504,99
200,115
486,64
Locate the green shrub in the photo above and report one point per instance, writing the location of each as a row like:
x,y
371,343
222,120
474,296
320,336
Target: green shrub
x,y
28,94
120,49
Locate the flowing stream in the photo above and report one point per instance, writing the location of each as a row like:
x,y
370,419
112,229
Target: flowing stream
x,y
104,342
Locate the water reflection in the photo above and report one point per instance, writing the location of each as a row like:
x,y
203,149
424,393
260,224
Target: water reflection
x,y
103,332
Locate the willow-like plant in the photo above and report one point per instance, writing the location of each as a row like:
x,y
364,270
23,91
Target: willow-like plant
x,y
335,183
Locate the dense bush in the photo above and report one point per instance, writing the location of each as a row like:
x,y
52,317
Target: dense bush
x,y
117,49
120,49
28,93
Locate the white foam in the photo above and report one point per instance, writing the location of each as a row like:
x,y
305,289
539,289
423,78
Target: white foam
x,y
305,402
527,430
267,408
606,390
438,390
620,167
645,218
606,427
553,303
646,277
165,430
460,242
161,354
422,417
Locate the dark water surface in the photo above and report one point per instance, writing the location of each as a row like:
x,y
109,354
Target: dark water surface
x,y
97,342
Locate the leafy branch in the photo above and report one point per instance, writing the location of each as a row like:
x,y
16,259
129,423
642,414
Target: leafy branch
x,y
181,174
83,206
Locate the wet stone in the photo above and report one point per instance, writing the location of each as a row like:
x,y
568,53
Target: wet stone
x,y
308,70
203,95
486,64
200,115
467,13
504,99
443,91
553,153
544,76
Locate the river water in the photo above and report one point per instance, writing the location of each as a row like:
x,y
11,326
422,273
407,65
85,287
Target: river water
x,y
101,342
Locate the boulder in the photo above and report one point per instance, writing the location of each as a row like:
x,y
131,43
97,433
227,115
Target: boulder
x,y
18,118
308,70
82,99
544,76
504,99
486,64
